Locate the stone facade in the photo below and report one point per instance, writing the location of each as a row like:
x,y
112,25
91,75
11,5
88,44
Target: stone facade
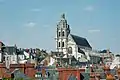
x,y
63,31
67,43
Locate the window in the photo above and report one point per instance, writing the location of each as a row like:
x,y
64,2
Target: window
x,y
59,44
59,34
64,24
82,56
70,50
62,44
63,34
78,58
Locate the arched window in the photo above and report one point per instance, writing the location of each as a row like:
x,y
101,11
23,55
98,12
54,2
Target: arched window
x,y
58,33
62,44
78,58
63,33
59,44
70,50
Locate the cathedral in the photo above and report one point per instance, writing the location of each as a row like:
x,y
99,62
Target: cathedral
x,y
69,44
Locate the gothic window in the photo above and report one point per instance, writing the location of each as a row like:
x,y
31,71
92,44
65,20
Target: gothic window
x,y
82,56
63,34
70,50
58,33
59,44
62,44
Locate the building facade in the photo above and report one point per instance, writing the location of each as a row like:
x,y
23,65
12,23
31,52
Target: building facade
x,y
69,44
63,31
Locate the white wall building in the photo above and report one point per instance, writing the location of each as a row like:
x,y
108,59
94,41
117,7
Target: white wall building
x,y
11,52
68,43
1,54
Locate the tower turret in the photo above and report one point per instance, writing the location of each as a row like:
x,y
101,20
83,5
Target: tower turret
x,y
62,33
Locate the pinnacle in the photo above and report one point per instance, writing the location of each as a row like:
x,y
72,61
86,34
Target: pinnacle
x,y
63,16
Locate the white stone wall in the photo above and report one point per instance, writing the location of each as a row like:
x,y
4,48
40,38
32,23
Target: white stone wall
x,y
13,59
21,57
62,27
72,44
7,61
75,52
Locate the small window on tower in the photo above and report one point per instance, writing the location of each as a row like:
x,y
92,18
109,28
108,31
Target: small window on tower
x,y
63,34
59,34
59,44
62,44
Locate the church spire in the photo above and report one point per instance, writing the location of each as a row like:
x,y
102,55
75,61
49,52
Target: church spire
x,y
62,34
63,16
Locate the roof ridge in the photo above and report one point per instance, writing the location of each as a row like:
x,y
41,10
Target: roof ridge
x,y
80,41
78,36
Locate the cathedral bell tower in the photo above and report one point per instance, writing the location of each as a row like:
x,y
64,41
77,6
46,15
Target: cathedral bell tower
x,y
62,33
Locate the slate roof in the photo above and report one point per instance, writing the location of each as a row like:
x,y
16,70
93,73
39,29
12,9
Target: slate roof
x,y
20,52
81,51
10,49
104,51
81,41
82,63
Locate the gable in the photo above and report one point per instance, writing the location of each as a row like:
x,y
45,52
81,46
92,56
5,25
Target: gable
x,y
70,40
11,50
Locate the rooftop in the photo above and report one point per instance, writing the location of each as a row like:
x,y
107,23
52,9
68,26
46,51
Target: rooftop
x,y
81,41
